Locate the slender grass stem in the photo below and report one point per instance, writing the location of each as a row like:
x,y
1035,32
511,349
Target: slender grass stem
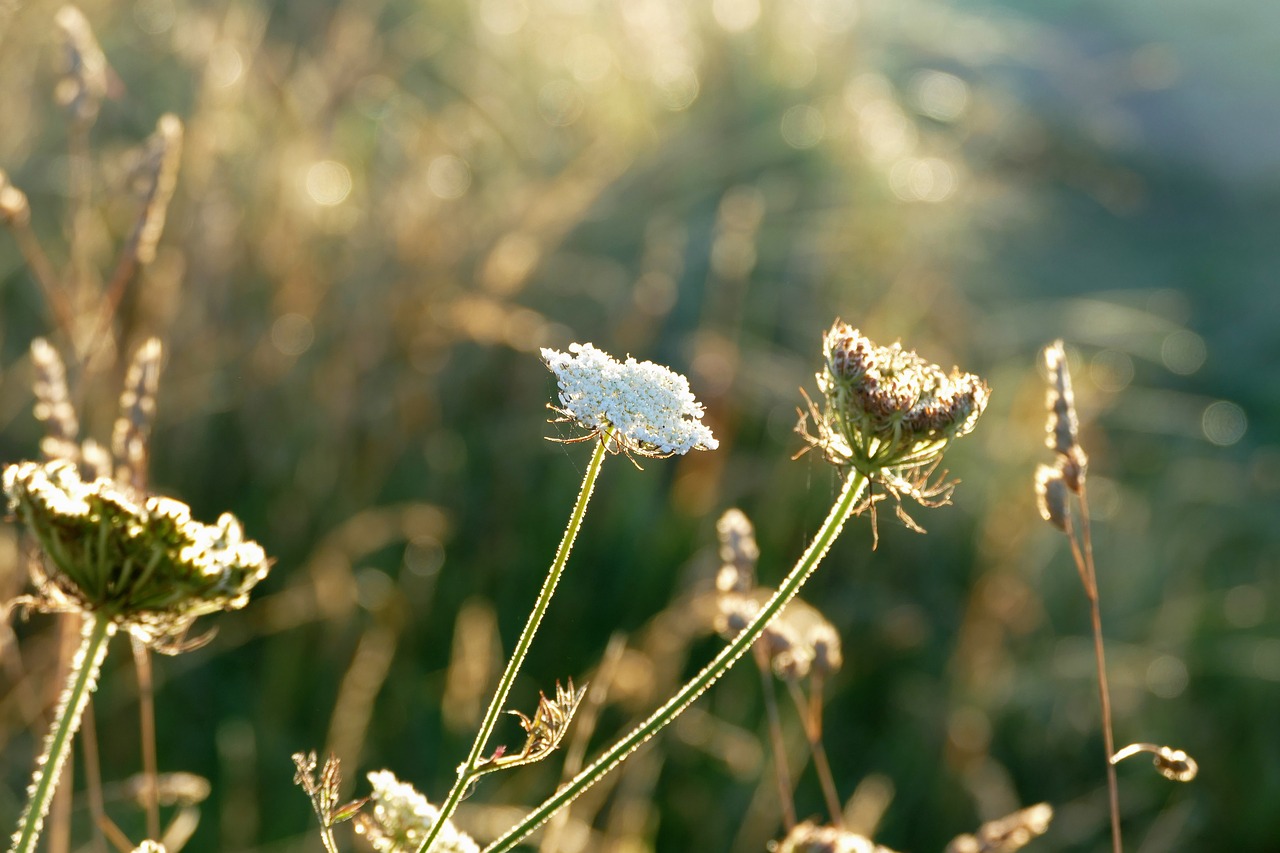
x,y
468,771
810,710
80,683
779,747
147,734
854,485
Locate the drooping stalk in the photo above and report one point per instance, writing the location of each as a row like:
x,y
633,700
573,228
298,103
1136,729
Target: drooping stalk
x,y
848,498
468,770
81,682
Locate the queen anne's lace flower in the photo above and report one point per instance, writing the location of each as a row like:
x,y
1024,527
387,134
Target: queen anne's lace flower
x,y
644,407
401,818
141,561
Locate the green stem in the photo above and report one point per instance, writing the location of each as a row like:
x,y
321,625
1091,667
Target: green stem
x,y
468,771
854,485
80,684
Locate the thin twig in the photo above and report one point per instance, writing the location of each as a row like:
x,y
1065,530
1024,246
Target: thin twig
x,y
776,743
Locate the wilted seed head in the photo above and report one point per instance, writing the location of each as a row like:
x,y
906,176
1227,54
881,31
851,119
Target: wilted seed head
x,y
1006,834
1051,496
808,837
402,817
1063,426
639,407
887,407
143,562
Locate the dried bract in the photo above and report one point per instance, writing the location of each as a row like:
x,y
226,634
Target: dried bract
x,y
637,407
546,729
144,563
402,817
1006,834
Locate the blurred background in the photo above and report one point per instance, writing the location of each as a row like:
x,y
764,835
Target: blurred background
x,y
385,207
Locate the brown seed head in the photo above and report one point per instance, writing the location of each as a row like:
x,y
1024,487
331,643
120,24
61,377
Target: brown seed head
x,y
1063,426
1051,495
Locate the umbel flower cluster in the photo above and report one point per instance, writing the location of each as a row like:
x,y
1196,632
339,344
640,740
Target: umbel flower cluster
x,y
639,407
142,562
401,818
888,409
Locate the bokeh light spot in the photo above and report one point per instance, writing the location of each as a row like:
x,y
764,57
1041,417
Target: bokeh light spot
x,y
939,95
928,179
226,65
1224,423
1111,370
1183,352
1167,677
448,177
328,183
154,16
736,16
678,86
560,103
803,126
1244,606
503,17
292,334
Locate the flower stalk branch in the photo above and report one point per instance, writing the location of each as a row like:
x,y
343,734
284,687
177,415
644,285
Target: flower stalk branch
x,y
472,767
81,681
850,494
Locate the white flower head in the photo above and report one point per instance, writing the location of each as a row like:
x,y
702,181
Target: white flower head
x,y
644,408
402,817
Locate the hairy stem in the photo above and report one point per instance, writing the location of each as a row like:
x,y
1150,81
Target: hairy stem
x,y
468,771
80,683
854,485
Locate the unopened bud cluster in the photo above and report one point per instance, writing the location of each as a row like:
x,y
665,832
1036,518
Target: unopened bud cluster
x,y
887,407
142,562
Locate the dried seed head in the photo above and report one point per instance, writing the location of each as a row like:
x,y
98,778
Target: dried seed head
x,y
886,408
1051,496
150,846
639,407
402,817
157,178
808,837
1063,426
738,552
144,562
86,80
137,412
1007,834
53,406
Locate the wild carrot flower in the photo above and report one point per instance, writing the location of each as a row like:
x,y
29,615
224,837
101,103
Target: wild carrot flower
x,y
402,817
639,407
142,563
886,407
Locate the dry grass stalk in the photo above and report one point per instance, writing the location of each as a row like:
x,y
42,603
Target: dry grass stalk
x,y
137,413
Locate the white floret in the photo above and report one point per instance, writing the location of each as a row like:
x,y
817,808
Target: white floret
x,y
648,405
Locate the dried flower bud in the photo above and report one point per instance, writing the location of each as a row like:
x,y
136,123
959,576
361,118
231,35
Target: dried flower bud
x,y
887,407
639,407
1006,834
1051,496
145,563
808,837
402,817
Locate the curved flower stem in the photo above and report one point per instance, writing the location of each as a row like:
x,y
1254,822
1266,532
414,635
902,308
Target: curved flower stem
x,y
80,684
854,485
468,771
